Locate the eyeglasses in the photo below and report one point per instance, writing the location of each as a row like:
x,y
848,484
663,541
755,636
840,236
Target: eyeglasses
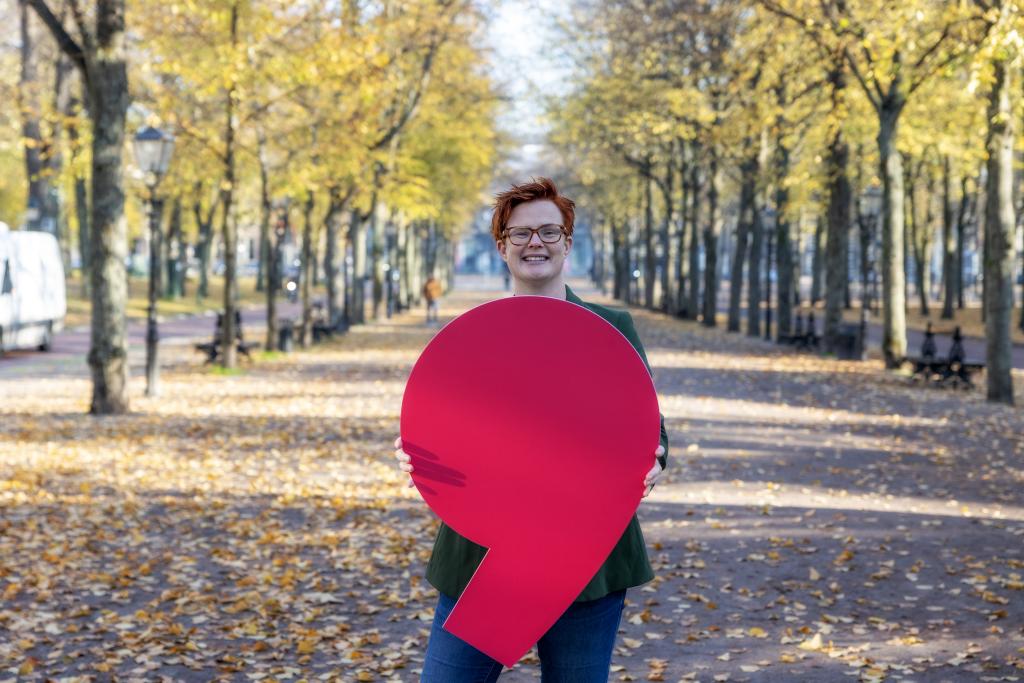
x,y
521,234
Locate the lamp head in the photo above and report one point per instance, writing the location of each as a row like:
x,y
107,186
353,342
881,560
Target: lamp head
x,y
153,150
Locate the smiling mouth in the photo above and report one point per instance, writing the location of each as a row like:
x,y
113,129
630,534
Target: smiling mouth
x,y
535,259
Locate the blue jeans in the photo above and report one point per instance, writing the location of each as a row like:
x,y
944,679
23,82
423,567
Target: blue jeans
x,y
576,649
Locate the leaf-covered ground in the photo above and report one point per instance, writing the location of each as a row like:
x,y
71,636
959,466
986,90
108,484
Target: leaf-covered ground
x,y
820,521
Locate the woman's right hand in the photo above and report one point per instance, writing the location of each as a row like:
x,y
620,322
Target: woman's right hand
x,y
403,460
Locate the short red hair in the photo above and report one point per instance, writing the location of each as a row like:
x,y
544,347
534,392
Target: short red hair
x,y
538,188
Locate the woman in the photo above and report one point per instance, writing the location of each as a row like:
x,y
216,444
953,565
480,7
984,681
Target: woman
x,y
532,227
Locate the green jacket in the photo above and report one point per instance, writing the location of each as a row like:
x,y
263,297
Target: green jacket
x,y
455,558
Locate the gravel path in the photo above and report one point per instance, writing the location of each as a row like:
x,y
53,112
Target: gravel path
x,y
820,521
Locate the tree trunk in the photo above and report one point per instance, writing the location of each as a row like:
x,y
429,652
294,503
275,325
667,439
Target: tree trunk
x,y
923,248
81,192
379,247
175,245
768,287
429,250
333,252
274,277
107,77
847,298
358,237
783,245
837,286
229,228
668,245
419,268
265,208
754,271
315,258
681,252
913,231
1021,324
794,281
597,270
649,251
41,206
448,262
748,188
999,235
909,208
395,284
633,227
405,251
711,233
63,99
608,259
204,227
816,260
620,256
756,267
917,231
837,245
865,233
306,273
693,303
155,214
961,240
894,294
948,244
345,273
82,213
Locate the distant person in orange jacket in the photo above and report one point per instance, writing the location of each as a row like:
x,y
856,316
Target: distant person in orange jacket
x,y
432,292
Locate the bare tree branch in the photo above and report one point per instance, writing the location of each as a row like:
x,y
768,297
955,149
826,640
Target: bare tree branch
x,y
925,74
72,49
83,29
412,104
874,97
810,31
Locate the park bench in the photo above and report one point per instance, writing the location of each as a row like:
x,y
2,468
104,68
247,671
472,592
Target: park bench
x,y
321,325
289,330
803,339
848,343
212,348
953,370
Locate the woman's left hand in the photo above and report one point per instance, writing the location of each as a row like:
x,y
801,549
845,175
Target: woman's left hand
x,y
652,477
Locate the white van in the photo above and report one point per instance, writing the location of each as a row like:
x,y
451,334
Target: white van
x,y
32,289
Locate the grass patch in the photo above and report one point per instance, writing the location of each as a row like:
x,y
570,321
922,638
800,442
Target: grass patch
x,y
220,370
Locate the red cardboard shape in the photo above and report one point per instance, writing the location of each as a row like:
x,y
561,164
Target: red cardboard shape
x,y
530,423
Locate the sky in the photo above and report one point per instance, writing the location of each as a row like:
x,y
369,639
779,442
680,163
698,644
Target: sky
x,y
520,34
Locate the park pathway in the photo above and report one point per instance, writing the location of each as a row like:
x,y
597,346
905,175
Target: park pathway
x,y
67,356
820,521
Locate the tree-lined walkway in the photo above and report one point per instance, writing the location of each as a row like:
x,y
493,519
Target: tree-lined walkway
x,y
820,521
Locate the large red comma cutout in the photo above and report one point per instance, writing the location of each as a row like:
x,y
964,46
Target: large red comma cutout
x,y
530,423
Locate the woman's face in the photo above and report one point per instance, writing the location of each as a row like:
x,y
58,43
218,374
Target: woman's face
x,y
535,263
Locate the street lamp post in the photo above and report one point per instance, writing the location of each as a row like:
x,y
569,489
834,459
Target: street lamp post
x,y
153,150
